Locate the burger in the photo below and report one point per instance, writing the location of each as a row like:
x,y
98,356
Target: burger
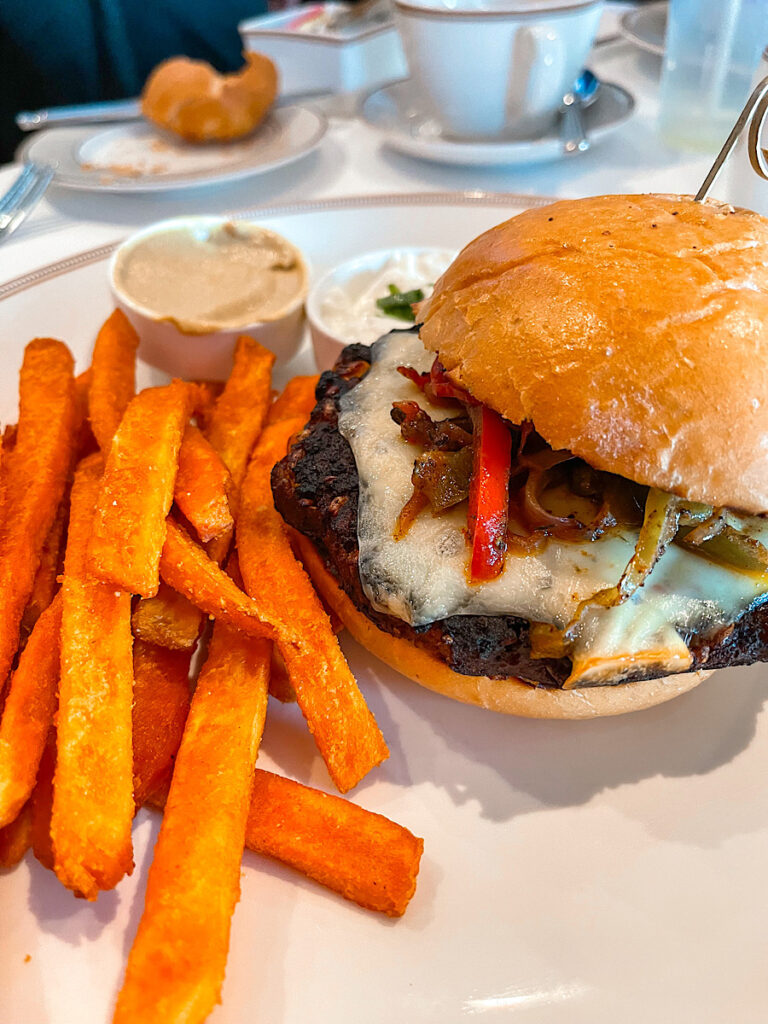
x,y
549,498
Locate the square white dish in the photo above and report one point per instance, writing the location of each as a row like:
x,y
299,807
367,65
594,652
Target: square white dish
x,y
316,61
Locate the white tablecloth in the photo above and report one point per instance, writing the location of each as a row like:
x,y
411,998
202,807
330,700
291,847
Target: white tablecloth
x,y
353,161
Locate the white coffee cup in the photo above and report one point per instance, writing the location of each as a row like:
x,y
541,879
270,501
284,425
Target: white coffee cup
x,y
496,67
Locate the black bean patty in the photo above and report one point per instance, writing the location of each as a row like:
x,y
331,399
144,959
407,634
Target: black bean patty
x,y
316,491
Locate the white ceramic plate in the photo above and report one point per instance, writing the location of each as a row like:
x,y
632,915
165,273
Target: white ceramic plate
x,y
574,872
137,158
395,111
647,27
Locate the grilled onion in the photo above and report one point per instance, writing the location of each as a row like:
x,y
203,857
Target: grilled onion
x,y
727,545
662,516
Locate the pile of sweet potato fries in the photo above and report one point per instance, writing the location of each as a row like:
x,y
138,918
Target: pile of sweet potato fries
x,y
129,522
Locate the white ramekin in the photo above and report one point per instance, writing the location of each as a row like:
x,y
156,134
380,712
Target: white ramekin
x,y
164,345
328,343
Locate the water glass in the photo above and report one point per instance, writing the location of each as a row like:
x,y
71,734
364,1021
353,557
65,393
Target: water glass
x,y
741,184
712,49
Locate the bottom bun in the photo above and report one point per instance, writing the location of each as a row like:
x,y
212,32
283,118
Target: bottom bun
x,y
509,696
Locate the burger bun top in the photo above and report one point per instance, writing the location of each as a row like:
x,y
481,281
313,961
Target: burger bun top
x,y
630,330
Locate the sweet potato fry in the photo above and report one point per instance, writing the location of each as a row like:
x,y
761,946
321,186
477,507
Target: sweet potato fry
x,y
113,377
344,729
41,803
82,391
137,490
4,454
52,555
37,472
219,548
364,856
9,437
279,684
241,408
187,568
296,399
203,485
167,620
50,568
93,789
176,966
28,713
160,704
204,395
86,442
16,838
201,492
236,422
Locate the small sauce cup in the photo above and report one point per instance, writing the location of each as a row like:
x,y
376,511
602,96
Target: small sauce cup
x,y
197,347
341,306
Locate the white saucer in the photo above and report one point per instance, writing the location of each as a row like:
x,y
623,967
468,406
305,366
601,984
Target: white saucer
x,y
138,158
647,27
394,110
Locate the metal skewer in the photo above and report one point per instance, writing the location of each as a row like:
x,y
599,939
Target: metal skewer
x,y
754,113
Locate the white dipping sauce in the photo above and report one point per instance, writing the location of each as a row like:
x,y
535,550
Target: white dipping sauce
x,y
348,306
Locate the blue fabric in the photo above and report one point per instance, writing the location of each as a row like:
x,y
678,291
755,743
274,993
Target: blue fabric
x,y
75,51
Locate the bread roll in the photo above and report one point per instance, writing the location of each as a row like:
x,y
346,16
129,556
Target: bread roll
x,y
631,330
190,99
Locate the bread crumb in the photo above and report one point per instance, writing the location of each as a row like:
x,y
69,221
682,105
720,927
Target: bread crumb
x,y
27,958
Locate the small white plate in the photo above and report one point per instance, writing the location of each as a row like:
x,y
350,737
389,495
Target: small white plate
x,y
647,27
138,158
396,112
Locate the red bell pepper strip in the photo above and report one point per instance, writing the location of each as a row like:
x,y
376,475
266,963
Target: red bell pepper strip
x,y
489,494
437,385
441,386
419,379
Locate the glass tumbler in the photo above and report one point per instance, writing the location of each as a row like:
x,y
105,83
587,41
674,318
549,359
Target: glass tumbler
x,y
741,185
712,49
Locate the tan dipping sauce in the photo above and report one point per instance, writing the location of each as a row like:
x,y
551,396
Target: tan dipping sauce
x,y
214,279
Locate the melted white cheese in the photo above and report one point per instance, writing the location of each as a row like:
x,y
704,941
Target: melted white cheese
x,y
422,577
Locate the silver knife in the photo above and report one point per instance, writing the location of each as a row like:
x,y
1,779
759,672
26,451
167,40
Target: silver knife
x,y
94,113
83,113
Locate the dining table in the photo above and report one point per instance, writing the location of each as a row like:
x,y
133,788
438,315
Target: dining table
x,y
352,160
573,872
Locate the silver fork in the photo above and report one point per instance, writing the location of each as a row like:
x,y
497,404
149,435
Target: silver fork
x,y
23,196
